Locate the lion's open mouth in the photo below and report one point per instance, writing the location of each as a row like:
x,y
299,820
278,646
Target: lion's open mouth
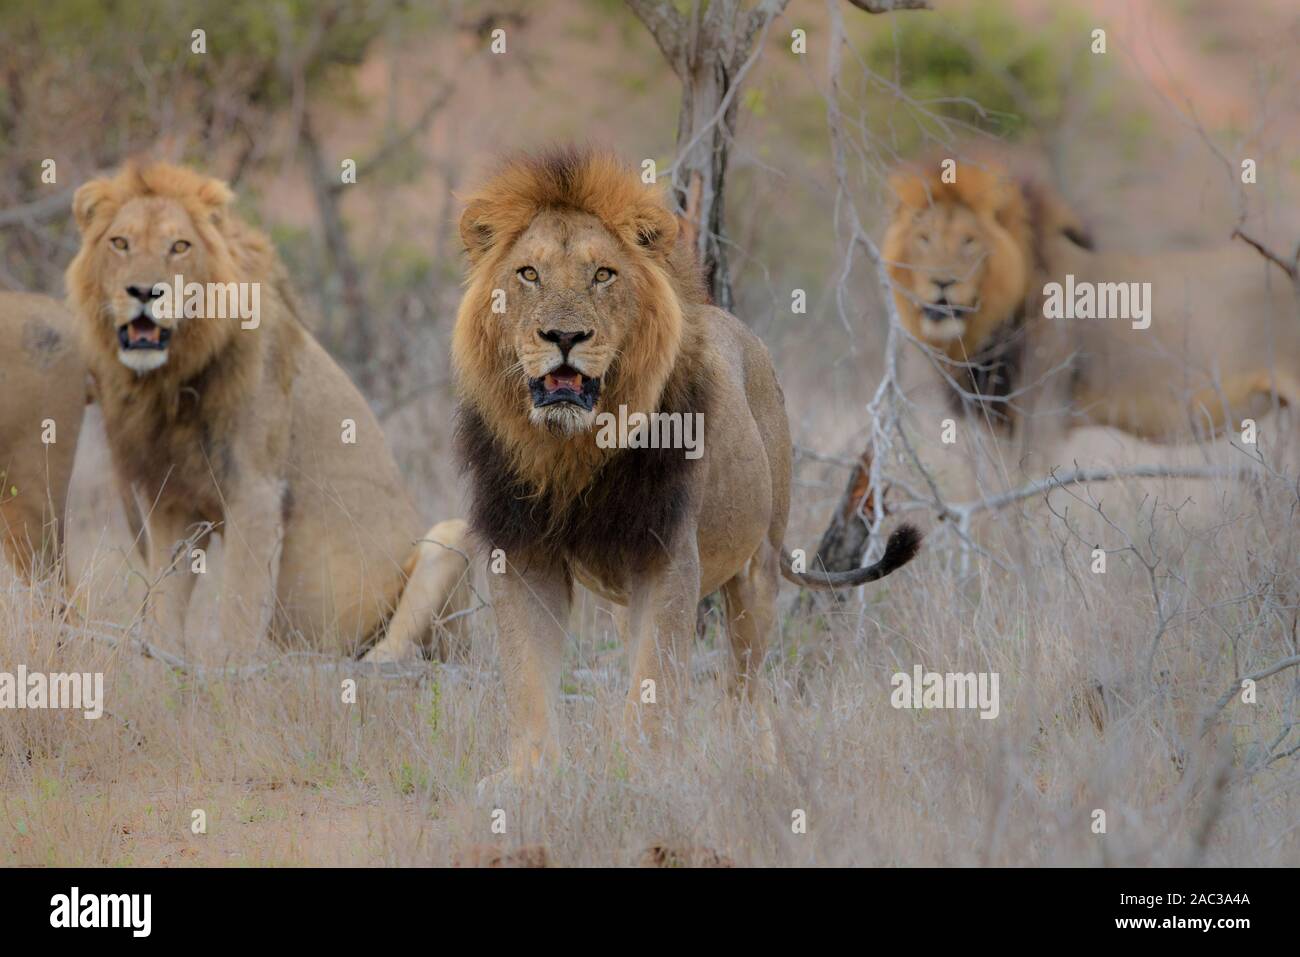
x,y
565,384
942,310
143,333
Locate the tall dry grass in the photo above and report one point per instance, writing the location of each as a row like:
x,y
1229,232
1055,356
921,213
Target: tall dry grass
x,y
1096,712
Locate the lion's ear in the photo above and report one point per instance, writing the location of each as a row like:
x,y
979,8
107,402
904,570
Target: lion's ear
x,y
1009,204
1080,236
654,229
475,231
87,197
216,196
909,191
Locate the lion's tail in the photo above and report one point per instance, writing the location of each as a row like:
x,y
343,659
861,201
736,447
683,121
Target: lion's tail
x,y
899,550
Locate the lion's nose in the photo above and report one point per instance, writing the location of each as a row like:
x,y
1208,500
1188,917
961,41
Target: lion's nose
x,y
943,284
565,340
145,294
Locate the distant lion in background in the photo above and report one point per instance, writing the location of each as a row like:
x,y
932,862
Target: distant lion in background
x,y
969,261
42,401
237,425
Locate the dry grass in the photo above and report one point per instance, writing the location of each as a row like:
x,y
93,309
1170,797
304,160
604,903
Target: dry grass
x,y
288,774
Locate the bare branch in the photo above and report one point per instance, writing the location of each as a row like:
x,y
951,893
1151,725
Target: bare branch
x,y
1208,721
889,6
1292,269
358,333
397,143
1188,116
666,26
48,207
1076,477
759,18
311,661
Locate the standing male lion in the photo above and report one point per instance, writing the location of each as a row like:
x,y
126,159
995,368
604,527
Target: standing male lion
x,y
581,302
244,425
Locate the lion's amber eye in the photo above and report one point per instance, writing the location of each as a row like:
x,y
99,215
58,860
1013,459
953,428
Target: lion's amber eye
x,y
179,247
119,243
604,275
528,274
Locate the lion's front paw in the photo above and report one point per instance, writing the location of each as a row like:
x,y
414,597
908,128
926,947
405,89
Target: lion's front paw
x,y
392,651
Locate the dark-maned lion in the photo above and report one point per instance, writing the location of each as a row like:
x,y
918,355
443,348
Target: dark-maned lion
x,y
244,425
583,305
972,260
42,400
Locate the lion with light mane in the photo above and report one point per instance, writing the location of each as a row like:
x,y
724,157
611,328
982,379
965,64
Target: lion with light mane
x,y
237,425
580,300
970,261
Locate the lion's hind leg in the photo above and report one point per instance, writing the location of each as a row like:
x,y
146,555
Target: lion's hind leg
x,y
1211,411
437,586
751,617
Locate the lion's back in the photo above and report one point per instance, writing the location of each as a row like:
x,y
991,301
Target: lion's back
x,y
1214,312
746,382
342,565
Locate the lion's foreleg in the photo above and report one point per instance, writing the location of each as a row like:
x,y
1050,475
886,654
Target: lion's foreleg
x,y
532,608
253,534
171,570
661,627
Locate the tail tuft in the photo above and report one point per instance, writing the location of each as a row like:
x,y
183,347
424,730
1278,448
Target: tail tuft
x,y
900,549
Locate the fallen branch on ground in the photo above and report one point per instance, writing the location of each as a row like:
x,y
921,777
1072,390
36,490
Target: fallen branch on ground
x,y
962,511
307,660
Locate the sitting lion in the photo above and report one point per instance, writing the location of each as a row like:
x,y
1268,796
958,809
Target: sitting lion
x,y
1025,323
224,414
43,384
584,311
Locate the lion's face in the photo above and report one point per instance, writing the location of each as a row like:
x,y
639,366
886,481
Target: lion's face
x,y
958,258
147,244
139,232
948,251
568,309
573,308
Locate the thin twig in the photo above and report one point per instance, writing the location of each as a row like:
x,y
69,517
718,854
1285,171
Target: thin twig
x,y
956,511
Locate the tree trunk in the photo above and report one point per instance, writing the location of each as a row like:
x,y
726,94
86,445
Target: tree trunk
x,y
699,176
845,540
709,50
357,335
